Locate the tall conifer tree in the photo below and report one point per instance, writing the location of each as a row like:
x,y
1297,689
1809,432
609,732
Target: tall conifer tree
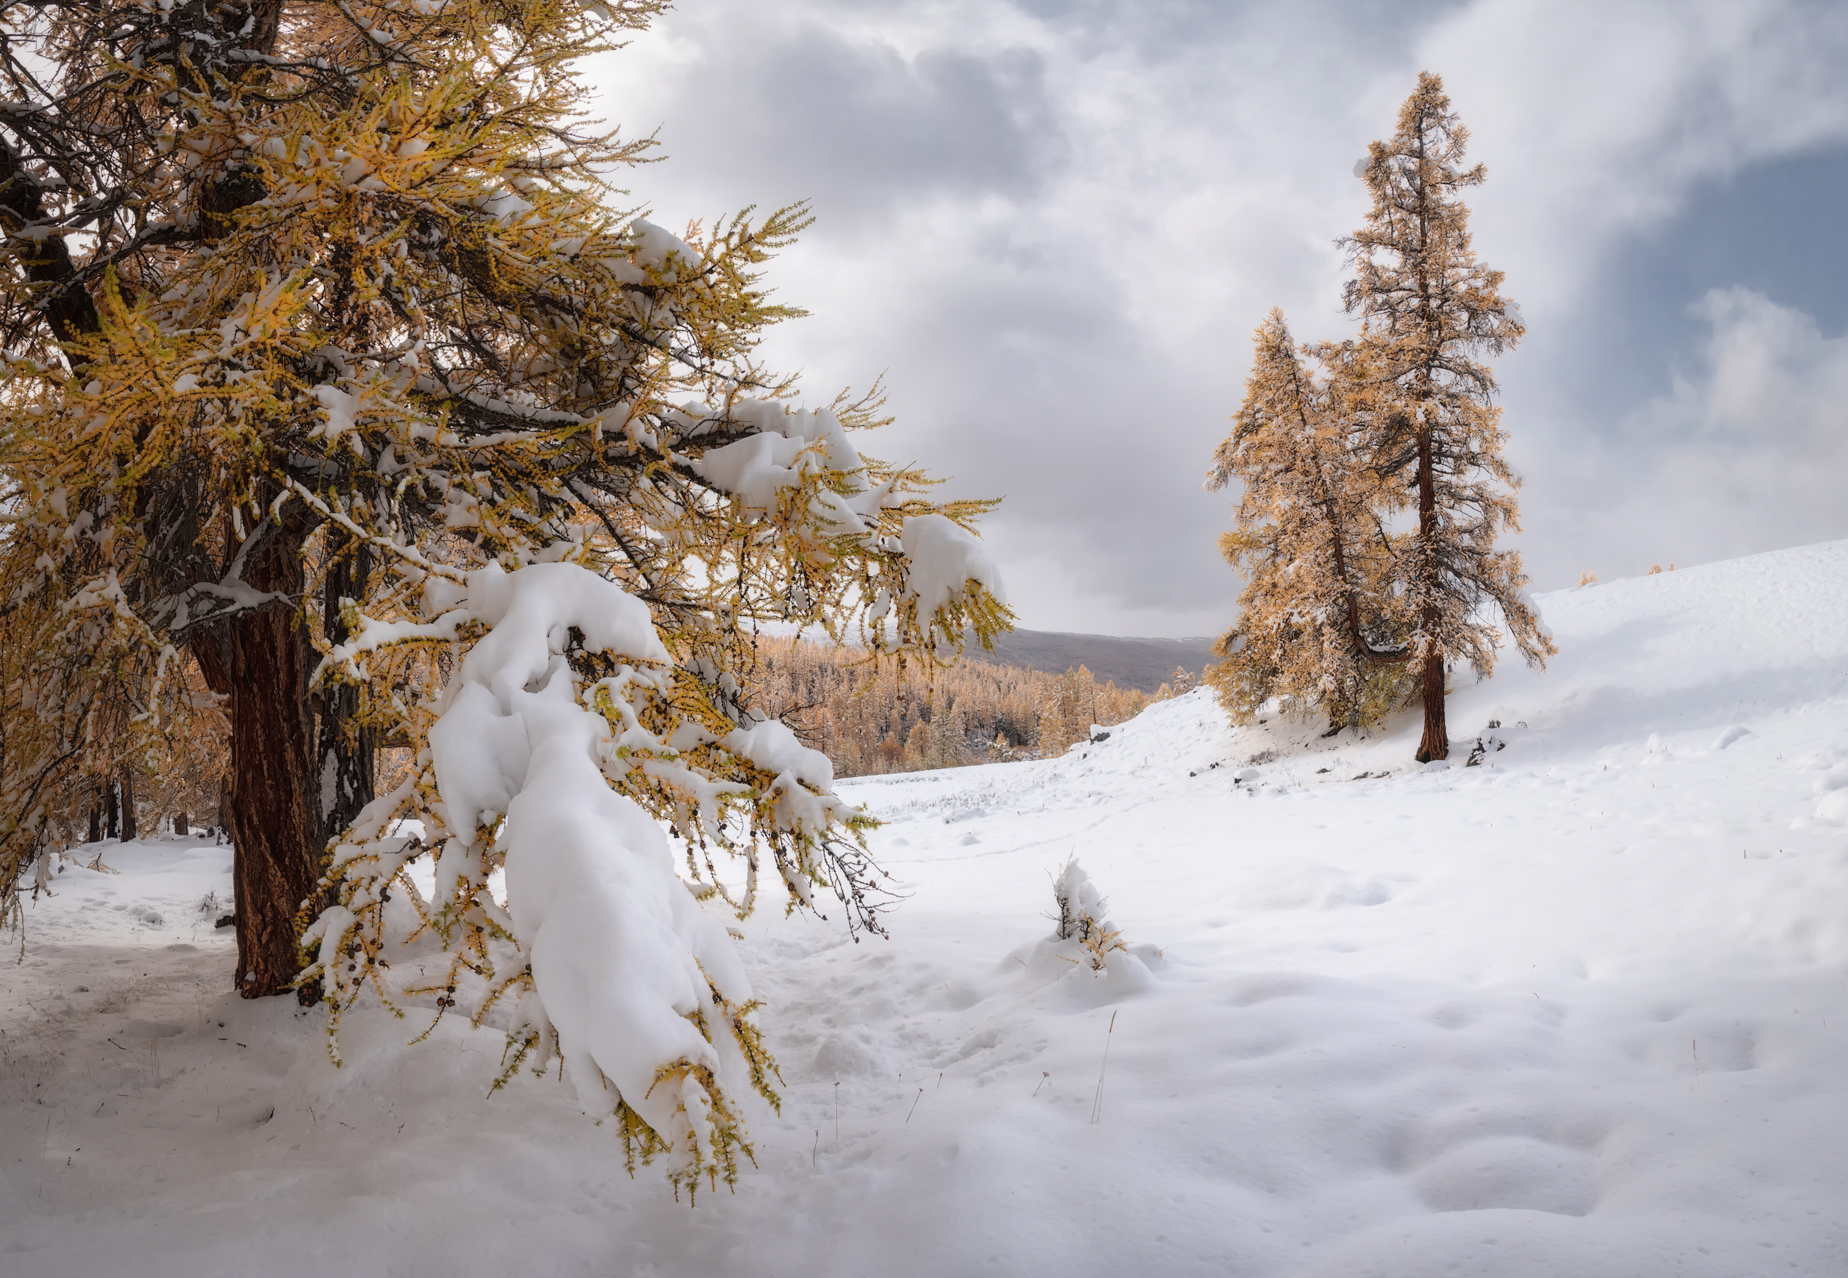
x,y
1430,311
320,322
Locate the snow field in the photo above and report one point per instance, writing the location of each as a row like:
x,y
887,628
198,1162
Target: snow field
x,y
1579,1010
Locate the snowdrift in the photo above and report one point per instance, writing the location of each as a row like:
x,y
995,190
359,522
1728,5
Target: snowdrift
x,y
1579,1009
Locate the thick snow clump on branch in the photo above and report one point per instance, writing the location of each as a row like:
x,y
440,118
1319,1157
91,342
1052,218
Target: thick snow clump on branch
x,y
788,446
624,961
944,557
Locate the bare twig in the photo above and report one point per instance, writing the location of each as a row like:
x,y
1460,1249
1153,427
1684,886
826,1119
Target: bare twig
x,y
1097,1103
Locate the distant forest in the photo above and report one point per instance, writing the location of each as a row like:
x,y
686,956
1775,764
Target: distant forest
x,y
870,716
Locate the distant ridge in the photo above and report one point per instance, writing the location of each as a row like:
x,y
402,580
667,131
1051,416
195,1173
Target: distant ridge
x,y
1143,664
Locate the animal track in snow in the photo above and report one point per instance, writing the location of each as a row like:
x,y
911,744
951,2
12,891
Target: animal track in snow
x,y
1510,1172
1454,1016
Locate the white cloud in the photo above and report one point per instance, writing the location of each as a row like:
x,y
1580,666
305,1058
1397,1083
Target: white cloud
x,y
1750,451
1055,226
1597,120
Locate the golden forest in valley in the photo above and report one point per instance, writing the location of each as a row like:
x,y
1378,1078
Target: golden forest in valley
x,y
882,715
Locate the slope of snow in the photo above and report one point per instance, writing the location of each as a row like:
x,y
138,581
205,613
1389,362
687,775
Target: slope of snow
x,y
1581,1010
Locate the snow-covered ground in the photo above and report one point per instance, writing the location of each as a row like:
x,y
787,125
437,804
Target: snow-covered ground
x,y
1581,1010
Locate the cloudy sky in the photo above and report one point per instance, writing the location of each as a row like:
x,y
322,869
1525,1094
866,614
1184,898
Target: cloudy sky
x,y
1053,225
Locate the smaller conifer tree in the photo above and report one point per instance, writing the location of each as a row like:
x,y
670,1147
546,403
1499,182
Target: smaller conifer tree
x,y
1318,618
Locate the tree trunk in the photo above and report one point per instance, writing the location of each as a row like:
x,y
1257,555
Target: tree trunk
x,y
1435,744
111,812
96,820
130,828
345,752
179,824
270,811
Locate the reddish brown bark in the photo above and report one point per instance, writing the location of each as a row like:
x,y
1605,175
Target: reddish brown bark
x,y
1435,744
270,815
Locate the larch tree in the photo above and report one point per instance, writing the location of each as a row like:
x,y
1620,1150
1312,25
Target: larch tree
x,y
847,705
335,379
1430,313
1319,624
1068,711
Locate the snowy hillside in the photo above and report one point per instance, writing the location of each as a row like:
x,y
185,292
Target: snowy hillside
x,y
1579,1011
